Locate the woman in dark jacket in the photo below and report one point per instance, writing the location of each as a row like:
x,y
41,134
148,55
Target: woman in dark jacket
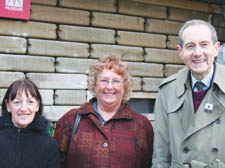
x,y
23,139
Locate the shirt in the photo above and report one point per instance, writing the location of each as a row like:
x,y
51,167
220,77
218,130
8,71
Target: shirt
x,y
207,80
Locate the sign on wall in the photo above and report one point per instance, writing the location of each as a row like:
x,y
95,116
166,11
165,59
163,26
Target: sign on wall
x,y
18,9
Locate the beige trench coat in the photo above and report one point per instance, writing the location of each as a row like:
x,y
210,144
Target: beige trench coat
x,y
186,139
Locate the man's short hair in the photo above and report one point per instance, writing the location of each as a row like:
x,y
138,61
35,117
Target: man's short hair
x,y
197,22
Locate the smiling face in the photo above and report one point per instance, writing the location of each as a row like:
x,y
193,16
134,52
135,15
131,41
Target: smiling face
x,y
109,89
198,51
22,108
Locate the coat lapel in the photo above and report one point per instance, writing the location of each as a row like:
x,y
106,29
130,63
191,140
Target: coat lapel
x,y
188,112
184,91
203,117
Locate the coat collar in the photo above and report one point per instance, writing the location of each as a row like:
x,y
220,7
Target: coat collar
x,y
183,79
125,111
219,76
39,124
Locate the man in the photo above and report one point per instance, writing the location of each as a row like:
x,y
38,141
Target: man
x,y
190,120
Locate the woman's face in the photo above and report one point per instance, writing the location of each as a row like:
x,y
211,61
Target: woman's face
x,y
23,109
109,88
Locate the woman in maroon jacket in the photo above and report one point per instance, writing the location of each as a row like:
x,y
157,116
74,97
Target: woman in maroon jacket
x,y
110,134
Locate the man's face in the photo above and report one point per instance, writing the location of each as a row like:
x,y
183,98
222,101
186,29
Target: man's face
x,y
198,51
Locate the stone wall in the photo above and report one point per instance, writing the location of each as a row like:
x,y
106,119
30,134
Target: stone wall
x,y
63,37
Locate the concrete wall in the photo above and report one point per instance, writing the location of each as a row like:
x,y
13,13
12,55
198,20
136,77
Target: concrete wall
x,y
62,38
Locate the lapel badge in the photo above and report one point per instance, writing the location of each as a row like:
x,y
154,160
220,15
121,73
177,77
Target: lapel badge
x,y
208,108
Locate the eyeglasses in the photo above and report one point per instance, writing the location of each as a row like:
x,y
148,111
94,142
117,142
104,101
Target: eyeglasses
x,y
115,82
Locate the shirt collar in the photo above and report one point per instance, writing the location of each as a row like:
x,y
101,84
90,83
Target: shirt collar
x,y
207,80
95,107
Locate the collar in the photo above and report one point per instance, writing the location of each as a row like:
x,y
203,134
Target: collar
x,y
95,107
39,124
124,111
183,79
207,80
219,76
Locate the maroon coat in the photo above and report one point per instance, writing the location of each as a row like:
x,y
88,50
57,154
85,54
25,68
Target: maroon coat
x,y
125,141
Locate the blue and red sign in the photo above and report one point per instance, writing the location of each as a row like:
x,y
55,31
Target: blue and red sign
x,y
18,9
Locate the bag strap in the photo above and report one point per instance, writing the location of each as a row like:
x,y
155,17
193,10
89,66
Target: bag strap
x,y
75,127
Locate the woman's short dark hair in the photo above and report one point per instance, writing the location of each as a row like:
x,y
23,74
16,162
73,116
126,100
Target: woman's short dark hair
x,y
22,85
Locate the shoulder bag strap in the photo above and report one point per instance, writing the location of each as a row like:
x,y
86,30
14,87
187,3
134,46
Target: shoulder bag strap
x,y
75,127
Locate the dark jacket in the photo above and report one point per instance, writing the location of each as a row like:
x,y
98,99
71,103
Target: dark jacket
x,y
125,141
27,147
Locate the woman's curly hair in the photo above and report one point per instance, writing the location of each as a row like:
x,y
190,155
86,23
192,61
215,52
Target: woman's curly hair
x,y
110,63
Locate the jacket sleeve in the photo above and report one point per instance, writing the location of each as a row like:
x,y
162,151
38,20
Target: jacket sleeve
x,y
161,149
53,155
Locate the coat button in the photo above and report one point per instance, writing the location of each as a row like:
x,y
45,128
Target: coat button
x,y
214,150
105,145
186,150
218,121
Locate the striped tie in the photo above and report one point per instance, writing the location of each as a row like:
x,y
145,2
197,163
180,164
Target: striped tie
x,y
199,85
